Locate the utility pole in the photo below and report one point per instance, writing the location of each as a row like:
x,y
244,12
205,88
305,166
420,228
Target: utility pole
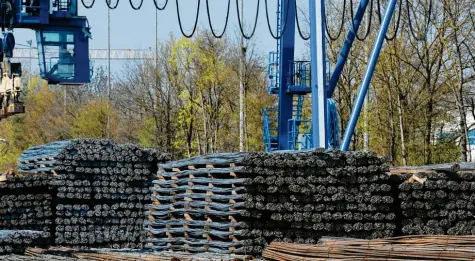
x,y
241,85
108,72
29,75
156,47
156,59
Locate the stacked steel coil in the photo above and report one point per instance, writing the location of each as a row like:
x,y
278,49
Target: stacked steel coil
x,y
239,202
438,202
99,192
16,241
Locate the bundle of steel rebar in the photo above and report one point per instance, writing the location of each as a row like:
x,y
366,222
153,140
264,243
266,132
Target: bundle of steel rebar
x,y
389,249
16,241
39,258
239,202
99,190
130,255
306,195
438,202
26,202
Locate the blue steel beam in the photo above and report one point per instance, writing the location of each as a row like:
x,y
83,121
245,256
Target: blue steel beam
x,y
345,51
287,49
320,128
367,76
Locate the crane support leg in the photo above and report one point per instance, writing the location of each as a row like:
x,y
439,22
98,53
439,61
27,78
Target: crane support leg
x,y
367,76
287,50
345,51
318,79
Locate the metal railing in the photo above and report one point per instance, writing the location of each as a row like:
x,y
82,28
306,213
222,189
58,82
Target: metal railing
x,y
299,75
300,134
272,71
271,129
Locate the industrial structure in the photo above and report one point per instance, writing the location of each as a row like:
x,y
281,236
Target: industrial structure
x,y
285,128
62,38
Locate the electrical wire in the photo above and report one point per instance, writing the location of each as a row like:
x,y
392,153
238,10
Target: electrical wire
x,y
411,28
370,19
298,24
109,4
277,37
160,8
241,22
88,6
341,25
398,22
134,7
211,24
196,20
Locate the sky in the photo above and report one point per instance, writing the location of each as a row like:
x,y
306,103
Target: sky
x,y
131,29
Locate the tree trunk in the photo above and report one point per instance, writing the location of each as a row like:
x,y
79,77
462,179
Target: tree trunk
x,y
189,138
427,142
392,139
401,129
205,125
462,124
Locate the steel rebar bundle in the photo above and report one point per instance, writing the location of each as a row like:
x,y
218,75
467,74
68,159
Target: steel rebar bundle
x,y
438,202
240,202
26,203
97,191
389,249
16,241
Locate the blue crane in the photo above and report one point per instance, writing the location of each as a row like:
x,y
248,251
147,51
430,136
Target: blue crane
x,y
62,38
292,80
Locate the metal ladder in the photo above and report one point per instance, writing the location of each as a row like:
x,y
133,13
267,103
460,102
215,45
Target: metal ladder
x,y
297,105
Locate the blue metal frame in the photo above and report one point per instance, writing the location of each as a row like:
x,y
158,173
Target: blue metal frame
x,y
287,49
300,132
318,58
298,80
270,130
293,80
367,76
345,50
78,63
272,73
46,16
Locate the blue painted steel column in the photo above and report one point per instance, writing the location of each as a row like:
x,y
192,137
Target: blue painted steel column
x,y
318,64
345,50
350,128
287,48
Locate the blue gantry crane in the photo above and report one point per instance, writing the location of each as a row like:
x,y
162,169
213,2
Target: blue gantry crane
x,y
293,80
62,38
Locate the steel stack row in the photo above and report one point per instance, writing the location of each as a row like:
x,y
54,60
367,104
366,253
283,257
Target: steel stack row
x,y
98,189
438,202
17,241
240,202
26,202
